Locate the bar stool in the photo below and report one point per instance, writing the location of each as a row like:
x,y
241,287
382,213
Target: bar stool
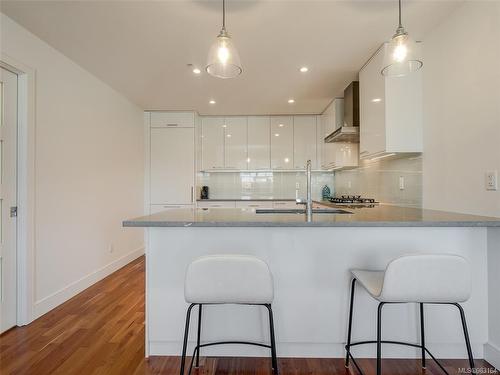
x,y
227,279
422,279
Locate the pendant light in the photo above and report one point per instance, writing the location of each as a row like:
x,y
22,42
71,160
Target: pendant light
x,y
223,59
401,54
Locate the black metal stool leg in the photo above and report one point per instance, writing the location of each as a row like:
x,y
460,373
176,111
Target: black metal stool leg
x,y
422,333
349,329
273,340
198,337
379,338
186,333
466,335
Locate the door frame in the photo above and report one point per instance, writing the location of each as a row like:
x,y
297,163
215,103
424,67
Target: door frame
x,y
25,187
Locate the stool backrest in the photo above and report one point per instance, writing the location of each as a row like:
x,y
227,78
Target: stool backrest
x,y
228,279
427,278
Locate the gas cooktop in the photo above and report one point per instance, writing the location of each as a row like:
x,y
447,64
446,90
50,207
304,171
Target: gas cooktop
x,y
353,200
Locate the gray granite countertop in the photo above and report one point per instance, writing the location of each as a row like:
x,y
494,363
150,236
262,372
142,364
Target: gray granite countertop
x,y
379,216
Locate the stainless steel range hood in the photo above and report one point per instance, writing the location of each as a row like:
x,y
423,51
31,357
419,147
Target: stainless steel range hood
x,y
350,131
344,134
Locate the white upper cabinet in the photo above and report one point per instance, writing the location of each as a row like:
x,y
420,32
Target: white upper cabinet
x,y
172,119
304,141
172,166
390,110
212,142
333,116
281,142
259,142
235,143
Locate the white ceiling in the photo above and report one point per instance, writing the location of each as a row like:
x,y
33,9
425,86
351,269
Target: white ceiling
x,y
141,48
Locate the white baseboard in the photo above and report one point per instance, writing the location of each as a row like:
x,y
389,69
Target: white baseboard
x,y
492,354
50,302
316,350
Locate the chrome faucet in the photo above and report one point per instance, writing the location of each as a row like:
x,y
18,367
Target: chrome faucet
x,y
308,201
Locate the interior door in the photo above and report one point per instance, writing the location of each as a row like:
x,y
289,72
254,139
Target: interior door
x,y
8,199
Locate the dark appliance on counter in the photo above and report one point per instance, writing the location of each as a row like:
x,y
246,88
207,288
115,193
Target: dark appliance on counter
x,y
204,192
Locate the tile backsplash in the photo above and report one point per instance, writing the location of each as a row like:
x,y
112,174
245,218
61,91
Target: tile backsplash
x,y
263,185
380,179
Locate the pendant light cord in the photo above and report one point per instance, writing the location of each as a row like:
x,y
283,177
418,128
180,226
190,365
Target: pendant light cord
x,y
224,14
400,24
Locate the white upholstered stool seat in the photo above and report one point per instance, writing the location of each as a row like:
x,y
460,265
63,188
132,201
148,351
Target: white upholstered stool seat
x,y
421,279
440,278
219,279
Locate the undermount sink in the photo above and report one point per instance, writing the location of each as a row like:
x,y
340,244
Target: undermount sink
x,y
300,211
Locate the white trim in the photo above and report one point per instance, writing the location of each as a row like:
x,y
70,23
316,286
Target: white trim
x,y
25,187
55,299
492,354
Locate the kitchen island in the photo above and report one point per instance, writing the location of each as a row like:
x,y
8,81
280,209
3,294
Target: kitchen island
x,y
310,262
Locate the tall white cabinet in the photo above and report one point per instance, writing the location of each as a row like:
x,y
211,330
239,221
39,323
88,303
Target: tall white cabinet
x,y
171,160
390,111
304,141
281,142
212,142
235,142
259,142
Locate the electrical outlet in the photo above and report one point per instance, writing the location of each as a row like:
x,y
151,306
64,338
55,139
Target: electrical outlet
x,y
111,248
401,182
297,185
491,180
349,184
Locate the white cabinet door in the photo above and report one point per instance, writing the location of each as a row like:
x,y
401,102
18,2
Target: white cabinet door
x,y
254,204
213,143
216,204
172,119
281,142
304,141
334,116
327,149
259,142
235,143
372,107
172,166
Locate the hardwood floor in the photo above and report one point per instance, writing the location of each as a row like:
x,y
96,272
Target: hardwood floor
x,y
101,331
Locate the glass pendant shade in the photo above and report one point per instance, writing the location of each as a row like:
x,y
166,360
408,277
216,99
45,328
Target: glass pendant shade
x,y
223,58
401,55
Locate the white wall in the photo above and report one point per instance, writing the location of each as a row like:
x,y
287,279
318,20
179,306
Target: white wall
x,y
89,157
462,110
462,128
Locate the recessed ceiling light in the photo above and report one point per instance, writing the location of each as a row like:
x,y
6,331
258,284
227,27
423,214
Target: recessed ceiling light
x,y
196,71
376,100
280,125
276,135
287,160
212,101
291,101
304,69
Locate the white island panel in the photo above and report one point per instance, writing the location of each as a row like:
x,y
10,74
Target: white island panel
x,y
311,279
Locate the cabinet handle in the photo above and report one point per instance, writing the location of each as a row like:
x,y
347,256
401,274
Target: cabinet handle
x,y
192,194
172,125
